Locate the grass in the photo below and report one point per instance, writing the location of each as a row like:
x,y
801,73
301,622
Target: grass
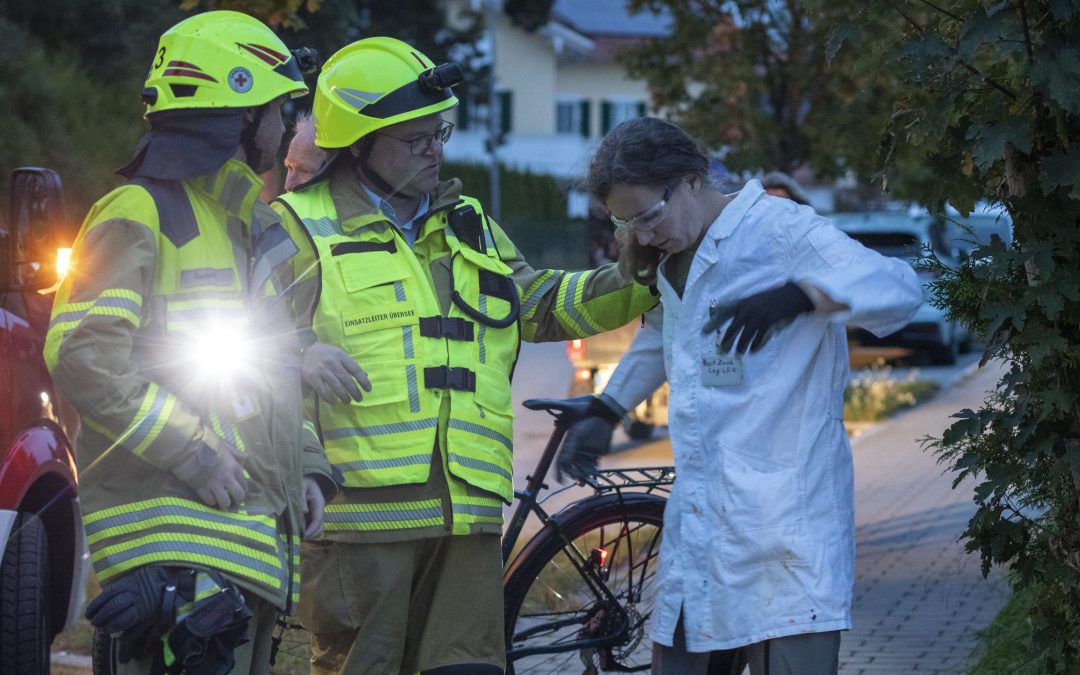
x,y
875,396
1006,646
79,638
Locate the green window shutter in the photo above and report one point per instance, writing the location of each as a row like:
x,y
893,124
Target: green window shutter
x,y
464,110
586,110
506,110
605,117
641,109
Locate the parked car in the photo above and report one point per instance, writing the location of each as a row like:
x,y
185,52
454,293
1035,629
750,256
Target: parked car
x,y
45,560
977,228
594,360
905,235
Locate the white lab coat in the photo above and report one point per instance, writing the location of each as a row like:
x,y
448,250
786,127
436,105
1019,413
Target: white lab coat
x,y
759,530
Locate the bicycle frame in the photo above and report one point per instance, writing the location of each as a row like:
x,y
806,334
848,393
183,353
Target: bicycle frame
x,y
534,484
645,479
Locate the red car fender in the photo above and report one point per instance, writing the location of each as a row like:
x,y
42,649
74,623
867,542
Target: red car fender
x,y
36,451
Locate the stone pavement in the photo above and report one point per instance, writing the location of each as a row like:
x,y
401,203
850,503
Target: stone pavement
x,y
920,600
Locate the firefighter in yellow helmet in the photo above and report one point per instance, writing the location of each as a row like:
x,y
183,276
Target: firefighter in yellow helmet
x,y
416,303
196,477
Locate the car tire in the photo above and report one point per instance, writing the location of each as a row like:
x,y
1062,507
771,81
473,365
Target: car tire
x,y
24,599
946,354
966,345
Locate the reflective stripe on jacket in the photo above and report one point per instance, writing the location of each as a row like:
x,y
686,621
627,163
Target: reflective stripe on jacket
x,y
142,293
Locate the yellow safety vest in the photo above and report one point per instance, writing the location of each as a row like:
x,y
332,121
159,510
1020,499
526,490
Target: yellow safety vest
x,y
378,303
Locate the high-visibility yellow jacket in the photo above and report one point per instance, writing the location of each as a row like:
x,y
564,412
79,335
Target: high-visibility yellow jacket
x,y
142,291
429,449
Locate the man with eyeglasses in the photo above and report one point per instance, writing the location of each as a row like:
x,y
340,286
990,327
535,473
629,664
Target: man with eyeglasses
x,y
404,274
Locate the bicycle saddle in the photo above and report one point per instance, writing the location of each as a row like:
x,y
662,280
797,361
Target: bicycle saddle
x,y
566,409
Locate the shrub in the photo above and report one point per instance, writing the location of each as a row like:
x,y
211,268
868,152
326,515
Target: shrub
x,y
875,396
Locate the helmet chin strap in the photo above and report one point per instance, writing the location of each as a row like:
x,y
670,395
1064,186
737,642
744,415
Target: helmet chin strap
x,y
361,166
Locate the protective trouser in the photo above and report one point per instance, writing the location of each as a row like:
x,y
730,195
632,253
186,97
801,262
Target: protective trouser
x,y
806,654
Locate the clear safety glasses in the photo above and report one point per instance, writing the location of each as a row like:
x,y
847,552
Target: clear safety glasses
x,y
649,217
421,144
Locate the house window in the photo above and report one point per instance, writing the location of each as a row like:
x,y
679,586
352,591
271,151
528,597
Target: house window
x,y
505,109
572,117
613,113
472,115
466,104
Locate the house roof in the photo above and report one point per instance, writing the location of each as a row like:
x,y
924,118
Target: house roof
x,y
603,18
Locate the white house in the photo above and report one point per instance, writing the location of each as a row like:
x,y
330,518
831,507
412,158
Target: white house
x,y
559,88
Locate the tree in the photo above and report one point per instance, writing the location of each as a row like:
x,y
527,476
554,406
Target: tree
x,y
273,12
72,71
529,14
71,74
753,77
424,24
990,97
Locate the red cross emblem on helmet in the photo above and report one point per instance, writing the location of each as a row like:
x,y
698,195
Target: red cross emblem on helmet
x,y
240,80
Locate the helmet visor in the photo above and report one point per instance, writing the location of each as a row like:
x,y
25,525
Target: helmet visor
x,y
303,61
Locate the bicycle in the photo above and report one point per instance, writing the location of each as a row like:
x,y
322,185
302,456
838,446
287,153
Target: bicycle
x,y
581,588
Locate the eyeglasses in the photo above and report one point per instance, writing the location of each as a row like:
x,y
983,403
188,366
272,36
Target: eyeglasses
x,y
421,144
650,216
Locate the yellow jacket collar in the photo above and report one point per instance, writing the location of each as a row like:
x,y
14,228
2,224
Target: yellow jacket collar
x,y
235,186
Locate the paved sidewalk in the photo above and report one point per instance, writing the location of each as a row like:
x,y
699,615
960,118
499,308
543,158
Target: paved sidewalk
x,y
920,600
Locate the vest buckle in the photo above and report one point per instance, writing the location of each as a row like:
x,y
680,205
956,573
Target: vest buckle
x,y
450,327
444,377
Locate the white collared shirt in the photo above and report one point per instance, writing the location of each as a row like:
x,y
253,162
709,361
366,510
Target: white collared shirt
x,y
408,228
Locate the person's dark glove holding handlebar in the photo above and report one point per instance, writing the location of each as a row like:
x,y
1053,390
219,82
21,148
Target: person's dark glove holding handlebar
x,y
588,438
755,318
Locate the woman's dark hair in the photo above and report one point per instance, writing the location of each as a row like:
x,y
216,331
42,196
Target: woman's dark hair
x,y
643,151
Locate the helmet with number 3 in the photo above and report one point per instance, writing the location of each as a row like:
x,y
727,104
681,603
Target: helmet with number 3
x,y
221,59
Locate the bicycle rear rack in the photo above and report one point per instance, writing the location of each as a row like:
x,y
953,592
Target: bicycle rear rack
x,y
647,479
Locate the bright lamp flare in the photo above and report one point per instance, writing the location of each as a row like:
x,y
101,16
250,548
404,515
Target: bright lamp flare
x,y
63,263
221,351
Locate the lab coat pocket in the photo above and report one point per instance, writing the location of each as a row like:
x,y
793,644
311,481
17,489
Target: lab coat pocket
x,y
750,371
764,521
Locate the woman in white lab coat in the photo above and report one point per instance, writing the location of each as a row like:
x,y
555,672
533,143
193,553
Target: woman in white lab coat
x,y
758,548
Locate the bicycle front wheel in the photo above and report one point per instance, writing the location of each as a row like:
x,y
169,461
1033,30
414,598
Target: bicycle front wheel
x,y
580,594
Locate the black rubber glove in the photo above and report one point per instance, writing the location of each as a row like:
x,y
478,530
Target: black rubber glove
x,y
587,439
129,602
758,316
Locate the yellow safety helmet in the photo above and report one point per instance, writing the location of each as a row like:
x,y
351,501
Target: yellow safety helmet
x,y
374,83
223,59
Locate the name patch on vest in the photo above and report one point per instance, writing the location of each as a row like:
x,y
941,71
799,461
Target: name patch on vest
x,y
355,323
207,276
